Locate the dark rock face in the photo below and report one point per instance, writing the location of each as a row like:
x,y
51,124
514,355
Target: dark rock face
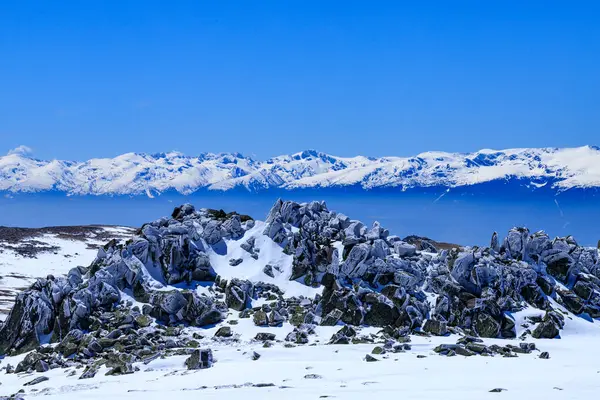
x,y
238,293
486,326
549,327
434,327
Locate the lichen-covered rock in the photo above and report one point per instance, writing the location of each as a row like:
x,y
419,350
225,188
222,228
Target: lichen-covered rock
x,y
238,294
224,331
550,326
485,325
435,327
200,359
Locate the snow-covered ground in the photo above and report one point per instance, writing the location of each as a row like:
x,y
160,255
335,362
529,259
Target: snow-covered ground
x,y
340,371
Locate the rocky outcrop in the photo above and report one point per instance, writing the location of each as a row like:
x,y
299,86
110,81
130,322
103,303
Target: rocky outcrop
x,y
166,251
369,277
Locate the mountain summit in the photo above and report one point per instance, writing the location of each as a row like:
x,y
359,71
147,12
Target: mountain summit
x,y
135,173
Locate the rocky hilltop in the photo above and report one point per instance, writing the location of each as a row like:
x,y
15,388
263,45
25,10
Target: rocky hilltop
x,y
305,266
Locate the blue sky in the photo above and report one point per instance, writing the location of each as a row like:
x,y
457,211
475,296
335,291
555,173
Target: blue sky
x,y
99,78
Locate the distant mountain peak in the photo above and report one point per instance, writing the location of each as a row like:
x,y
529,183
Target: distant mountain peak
x,y
141,173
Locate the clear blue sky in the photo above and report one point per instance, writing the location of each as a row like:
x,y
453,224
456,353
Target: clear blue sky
x,y
99,78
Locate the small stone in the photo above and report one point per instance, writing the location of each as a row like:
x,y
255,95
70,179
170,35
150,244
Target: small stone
x,y
313,376
255,356
235,262
224,331
37,380
370,358
544,355
264,336
497,390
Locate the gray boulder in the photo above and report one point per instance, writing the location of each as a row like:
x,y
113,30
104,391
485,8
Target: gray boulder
x,y
199,359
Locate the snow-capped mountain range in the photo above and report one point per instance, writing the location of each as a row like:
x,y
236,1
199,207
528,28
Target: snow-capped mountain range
x,y
151,174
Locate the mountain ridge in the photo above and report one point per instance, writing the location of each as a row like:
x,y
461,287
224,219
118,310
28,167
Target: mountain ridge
x,y
152,174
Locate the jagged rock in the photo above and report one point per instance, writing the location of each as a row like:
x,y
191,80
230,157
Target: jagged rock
x,y
29,362
90,372
268,270
199,359
381,314
212,232
41,366
585,290
435,327
332,318
461,272
515,243
343,336
264,336
404,249
494,245
428,246
453,349
534,295
275,319
260,318
31,317
546,284
547,329
485,325
234,262
507,330
370,358
558,263
478,348
232,227
571,301
544,355
238,294
297,336
224,331
248,245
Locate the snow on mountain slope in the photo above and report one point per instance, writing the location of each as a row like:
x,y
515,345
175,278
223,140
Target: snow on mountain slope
x,y
135,173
